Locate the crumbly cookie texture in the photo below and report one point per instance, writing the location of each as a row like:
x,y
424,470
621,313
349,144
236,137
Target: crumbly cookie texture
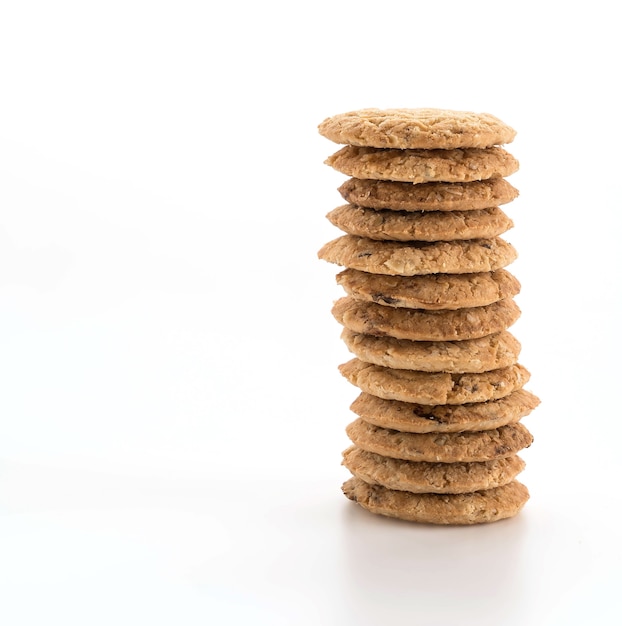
x,y
432,387
478,507
424,166
416,128
420,226
399,258
410,417
431,477
418,325
463,447
430,291
400,196
469,356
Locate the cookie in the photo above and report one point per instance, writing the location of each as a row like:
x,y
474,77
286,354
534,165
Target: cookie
x,y
478,507
414,258
424,166
430,291
370,318
427,477
434,388
465,447
399,196
472,355
410,417
420,226
416,128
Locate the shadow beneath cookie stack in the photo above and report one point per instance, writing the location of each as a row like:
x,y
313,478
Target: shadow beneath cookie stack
x,y
468,575
426,312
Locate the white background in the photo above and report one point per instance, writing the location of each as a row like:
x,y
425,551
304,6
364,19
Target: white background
x,y
171,415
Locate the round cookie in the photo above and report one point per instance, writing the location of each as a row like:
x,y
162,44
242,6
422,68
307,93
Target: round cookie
x,y
410,417
416,128
488,505
424,166
399,196
426,477
414,258
420,226
469,356
434,388
466,447
370,318
430,291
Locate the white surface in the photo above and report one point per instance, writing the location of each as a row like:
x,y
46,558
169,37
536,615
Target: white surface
x,y
171,416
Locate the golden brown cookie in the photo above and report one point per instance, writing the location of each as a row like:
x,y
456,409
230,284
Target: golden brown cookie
x,y
399,196
434,388
430,291
424,166
465,447
420,226
427,477
410,417
370,318
488,505
416,128
472,355
414,258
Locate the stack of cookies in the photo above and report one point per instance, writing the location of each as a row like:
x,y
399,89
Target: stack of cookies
x,y
426,312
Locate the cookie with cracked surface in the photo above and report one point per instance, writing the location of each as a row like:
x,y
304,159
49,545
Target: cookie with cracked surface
x,y
424,166
410,417
427,477
465,447
416,128
430,291
469,356
433,387
420,226
415,258
370,318
478,507
436,196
